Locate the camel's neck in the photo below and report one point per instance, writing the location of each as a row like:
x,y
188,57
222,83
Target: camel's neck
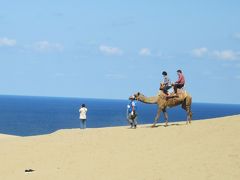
x,y
149,100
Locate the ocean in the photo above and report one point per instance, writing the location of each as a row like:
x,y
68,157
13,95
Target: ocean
x,y
27,116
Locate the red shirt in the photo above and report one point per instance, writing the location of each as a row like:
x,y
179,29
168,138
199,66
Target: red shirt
x,y
181,79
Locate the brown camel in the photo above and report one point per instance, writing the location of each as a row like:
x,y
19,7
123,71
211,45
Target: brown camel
x,y
163,103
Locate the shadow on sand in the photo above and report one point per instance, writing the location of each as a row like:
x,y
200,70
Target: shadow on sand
x,y
163,125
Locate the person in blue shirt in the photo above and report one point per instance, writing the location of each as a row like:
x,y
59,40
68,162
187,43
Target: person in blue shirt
x,y
132,112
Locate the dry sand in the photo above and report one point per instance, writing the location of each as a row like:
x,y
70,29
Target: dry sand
x,y
200,151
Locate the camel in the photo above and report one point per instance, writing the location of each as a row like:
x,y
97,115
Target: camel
x,y
163,103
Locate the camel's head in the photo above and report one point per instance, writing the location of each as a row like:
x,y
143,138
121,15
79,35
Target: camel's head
x,y
138,96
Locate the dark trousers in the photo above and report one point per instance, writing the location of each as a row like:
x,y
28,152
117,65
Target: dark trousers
x,y
166,88
177,86
132,120
83,123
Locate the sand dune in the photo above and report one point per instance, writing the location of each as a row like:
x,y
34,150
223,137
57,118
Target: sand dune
x,y
201,151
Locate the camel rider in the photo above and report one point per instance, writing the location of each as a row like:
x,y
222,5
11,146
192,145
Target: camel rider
x,y
131,112
166,84
180,82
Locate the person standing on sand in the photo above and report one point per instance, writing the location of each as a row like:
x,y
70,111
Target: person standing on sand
x,y
131,112
83,116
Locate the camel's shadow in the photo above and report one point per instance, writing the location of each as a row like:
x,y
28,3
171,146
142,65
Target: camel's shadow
x,y
169,125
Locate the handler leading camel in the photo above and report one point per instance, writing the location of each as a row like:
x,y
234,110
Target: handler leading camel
x,y
163,103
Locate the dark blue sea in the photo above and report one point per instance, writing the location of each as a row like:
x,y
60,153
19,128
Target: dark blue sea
x,y
27,116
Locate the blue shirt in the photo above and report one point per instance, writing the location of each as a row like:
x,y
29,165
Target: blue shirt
x,y
131,105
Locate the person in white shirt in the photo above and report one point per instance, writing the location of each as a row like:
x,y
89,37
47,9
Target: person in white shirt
x,y
83,116
166,83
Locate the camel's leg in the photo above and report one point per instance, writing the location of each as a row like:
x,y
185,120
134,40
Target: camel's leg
x,y
157,117
184,106
165,117
187,107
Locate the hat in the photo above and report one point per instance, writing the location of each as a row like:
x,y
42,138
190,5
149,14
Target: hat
x,y
132,97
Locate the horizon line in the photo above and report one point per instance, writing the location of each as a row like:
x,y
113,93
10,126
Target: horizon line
x,y
75,97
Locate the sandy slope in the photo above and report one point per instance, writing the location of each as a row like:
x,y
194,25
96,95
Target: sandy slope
x,y
204,150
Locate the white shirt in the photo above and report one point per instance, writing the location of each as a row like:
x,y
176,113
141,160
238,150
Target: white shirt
x,y
166,81
83,113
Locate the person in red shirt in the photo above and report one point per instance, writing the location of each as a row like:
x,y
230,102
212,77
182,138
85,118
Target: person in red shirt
x,y
180,82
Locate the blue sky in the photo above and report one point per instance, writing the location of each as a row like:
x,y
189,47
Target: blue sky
x,y
111,49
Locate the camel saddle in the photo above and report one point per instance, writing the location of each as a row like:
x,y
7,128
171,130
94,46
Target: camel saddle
x,y
181,94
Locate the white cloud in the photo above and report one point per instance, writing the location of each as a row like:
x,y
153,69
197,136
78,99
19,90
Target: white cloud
x,y
59,74
7,42
145,52
45,46
200,52
227,54
107,50
237,35
238,77
161,55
